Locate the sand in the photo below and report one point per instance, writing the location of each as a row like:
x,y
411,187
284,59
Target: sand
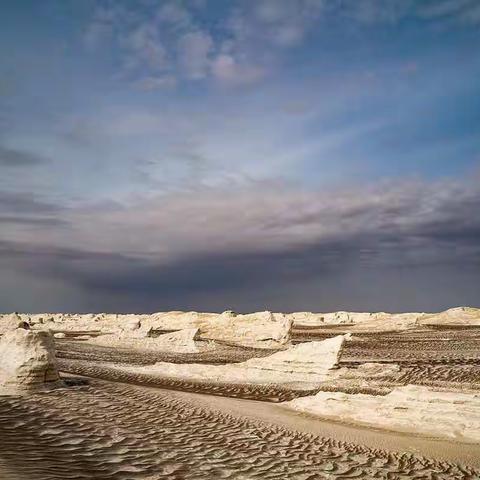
x,y
126,411
115,431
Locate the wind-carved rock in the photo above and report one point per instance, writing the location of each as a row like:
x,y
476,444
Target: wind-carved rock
x,y
260,329
182,341
27,360
309,363
412,408
11,321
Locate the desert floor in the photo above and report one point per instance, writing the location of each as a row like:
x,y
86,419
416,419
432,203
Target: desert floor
x,y
112,424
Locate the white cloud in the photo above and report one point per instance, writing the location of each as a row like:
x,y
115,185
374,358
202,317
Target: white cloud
x,y
145,47
239,51
194,49
228,71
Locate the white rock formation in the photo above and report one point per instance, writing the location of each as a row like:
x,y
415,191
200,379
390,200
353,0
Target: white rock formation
x,y
27,360
182,341
310,359
460,316
307,363
12,321
413,409
357,321
260,330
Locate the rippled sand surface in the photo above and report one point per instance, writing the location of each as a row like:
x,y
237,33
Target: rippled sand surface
x,y
115,431
116,424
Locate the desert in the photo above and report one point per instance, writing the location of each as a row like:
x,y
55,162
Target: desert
x,y
261,395
239,239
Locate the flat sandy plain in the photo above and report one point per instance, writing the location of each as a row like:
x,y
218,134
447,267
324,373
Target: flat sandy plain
x,y
111,420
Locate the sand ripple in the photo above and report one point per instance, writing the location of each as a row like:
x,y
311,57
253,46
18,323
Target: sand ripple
x,y
116,431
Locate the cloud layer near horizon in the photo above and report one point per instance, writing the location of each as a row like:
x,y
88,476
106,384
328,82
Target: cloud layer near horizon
x,y
239,239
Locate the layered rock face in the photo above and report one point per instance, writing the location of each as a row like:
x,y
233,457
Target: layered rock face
x,y
412,408
27,360
308,363
310,360
259,330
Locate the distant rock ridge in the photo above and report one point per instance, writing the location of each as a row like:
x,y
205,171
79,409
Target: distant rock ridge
x,y
259,329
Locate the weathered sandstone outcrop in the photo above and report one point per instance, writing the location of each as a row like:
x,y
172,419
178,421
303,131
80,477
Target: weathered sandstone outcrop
x,y
259,330
27,360
308,363
413,409
357,321
12,321
182,341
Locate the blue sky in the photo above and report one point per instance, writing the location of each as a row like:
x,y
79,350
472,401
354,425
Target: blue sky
x,y
159,154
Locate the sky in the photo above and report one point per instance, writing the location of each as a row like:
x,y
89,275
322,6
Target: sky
x,y
285,155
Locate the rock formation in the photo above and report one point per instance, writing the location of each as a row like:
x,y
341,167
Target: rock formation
x,y
311,359
259,330
412,408
13,321
182,341
357,321
27,360
460,316
307,363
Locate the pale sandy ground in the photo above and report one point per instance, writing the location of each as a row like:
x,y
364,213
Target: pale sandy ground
x,y
448,451
115,431
165,414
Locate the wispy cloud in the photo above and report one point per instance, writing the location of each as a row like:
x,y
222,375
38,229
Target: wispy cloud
x,y
163,44
13,158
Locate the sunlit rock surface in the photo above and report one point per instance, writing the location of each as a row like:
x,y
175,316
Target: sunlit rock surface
x,y
461,316
27,360
357,321
307,363
181,341
412,408
260,329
